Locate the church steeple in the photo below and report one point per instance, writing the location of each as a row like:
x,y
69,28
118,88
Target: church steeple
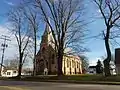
x,y
47,29
45,34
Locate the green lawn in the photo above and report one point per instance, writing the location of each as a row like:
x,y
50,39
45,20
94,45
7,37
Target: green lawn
x,y
75,78
70,78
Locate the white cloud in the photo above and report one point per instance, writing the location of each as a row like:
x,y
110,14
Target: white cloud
x,y
9,3
93,61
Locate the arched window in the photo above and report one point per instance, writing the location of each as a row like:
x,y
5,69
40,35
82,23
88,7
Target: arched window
x,y
41,63
77,65
47,64
43,49
73,64
67,63
41,60
53,57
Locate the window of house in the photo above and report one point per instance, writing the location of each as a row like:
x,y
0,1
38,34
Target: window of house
x,y
70,63
91,72
14,71
77,65
73,63
8,73
67,63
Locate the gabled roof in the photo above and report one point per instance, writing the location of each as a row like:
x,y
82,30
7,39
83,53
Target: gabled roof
x,y
92,66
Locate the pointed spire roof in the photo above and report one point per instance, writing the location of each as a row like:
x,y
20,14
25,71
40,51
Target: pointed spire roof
x,y
47,28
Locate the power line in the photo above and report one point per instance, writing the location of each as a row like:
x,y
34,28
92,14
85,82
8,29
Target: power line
x,y
4,45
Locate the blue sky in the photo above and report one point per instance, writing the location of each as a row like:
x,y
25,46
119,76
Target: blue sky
x,y
95,45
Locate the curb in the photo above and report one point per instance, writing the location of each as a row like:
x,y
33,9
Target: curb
x,y
83,82
71,82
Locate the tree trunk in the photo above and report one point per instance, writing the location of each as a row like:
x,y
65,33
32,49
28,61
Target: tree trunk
x,y
49,64
106,68
108,59
20,65
34,62
34,67
64,67
35,49
19,71
60,58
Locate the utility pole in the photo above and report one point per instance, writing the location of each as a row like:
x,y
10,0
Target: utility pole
x,y
4,45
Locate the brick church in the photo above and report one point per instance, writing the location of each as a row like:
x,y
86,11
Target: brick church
x,y
46,57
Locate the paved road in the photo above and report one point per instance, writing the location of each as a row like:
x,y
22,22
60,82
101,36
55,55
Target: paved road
x,y
19,85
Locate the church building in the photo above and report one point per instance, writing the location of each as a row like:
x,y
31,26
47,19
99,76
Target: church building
x,y
46,57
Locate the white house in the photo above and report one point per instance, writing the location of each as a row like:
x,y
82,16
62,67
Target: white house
x,y
92,70
9,73
112,68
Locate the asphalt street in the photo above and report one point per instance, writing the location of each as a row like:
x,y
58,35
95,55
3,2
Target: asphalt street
x,y
22,85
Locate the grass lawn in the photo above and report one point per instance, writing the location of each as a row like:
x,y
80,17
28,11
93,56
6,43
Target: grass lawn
x,y
73,78
3,78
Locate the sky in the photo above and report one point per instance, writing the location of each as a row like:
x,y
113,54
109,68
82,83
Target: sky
x,y
95,45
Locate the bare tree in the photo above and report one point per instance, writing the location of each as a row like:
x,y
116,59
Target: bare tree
x,y
31,15
85,62
11,63
32,18
20,28
64,20
110,10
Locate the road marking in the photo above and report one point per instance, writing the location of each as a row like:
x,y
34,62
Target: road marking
x,y
14,88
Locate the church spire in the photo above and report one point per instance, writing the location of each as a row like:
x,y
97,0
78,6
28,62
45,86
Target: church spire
x,y
47,29
46,33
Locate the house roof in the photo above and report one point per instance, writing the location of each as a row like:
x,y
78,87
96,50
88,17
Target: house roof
x,y
92,66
